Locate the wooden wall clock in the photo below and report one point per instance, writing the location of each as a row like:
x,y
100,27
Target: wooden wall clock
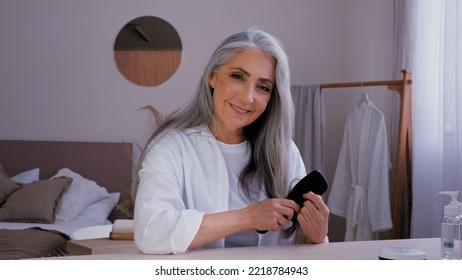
x,y
147,51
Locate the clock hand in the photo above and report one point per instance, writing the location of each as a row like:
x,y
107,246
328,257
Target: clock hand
x,y
140,32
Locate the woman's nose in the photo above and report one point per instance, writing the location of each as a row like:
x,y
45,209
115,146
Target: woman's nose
x,y
246,95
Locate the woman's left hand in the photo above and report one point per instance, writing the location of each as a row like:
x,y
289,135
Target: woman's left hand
x,y
314,218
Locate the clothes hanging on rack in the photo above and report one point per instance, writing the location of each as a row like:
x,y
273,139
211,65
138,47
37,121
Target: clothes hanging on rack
x,y
309,124
360,188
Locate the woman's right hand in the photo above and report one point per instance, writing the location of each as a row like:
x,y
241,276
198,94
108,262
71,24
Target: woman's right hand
x,y
271,214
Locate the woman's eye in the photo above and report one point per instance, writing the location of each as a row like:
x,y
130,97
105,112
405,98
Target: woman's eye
x,y
237,77
265,89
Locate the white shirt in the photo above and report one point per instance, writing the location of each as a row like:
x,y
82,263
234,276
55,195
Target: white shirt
x,y
236,157
184,176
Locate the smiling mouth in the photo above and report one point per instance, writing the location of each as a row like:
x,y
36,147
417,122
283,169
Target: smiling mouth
x,y
240,110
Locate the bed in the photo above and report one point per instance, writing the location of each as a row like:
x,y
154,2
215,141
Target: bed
x,y
49,189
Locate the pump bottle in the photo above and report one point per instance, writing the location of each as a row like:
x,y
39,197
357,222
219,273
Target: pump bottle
x,y
460,229
450,228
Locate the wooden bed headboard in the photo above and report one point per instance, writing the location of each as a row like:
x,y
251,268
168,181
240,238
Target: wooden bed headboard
x,y
108,164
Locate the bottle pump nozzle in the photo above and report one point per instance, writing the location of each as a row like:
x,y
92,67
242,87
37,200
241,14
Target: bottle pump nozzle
x,y
452,209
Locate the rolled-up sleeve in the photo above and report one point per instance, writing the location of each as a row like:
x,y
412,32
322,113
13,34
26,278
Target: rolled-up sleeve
x,y
163,225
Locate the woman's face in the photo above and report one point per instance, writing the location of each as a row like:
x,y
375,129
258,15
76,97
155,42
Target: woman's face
x,y
241,91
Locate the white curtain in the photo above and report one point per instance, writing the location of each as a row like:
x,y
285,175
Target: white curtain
x,y
432,49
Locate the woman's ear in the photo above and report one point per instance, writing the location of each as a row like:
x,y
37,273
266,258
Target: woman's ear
x,y
212,78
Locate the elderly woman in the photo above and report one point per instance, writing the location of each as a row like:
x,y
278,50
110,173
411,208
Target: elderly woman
x,y
218,171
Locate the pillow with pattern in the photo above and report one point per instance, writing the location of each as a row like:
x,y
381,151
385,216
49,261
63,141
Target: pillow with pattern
x,y
34,202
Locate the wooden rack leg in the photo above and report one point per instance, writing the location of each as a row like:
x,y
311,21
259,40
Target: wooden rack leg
x,y
403,162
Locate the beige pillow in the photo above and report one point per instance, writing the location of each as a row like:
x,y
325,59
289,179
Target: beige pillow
x,y
35,202
7,186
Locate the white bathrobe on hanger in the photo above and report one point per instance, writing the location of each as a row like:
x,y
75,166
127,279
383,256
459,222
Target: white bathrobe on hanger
x,y
360,189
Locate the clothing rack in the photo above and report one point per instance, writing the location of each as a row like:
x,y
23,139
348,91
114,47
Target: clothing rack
x,y
402,176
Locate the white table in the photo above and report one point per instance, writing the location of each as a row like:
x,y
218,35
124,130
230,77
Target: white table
x,y
358,250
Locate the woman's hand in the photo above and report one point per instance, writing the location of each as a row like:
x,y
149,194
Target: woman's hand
x,y
314,218
271,214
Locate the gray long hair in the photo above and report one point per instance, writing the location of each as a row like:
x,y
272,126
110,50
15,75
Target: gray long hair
x,y
270,135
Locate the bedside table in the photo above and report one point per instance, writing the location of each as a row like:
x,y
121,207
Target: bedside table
x,y
100,246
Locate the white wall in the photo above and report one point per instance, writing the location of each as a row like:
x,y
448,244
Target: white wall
x,y
58,79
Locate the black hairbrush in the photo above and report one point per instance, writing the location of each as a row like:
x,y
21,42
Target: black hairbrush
x,y
314,182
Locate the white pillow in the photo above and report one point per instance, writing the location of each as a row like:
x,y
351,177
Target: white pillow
x,y
80,194
99,211
27,177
